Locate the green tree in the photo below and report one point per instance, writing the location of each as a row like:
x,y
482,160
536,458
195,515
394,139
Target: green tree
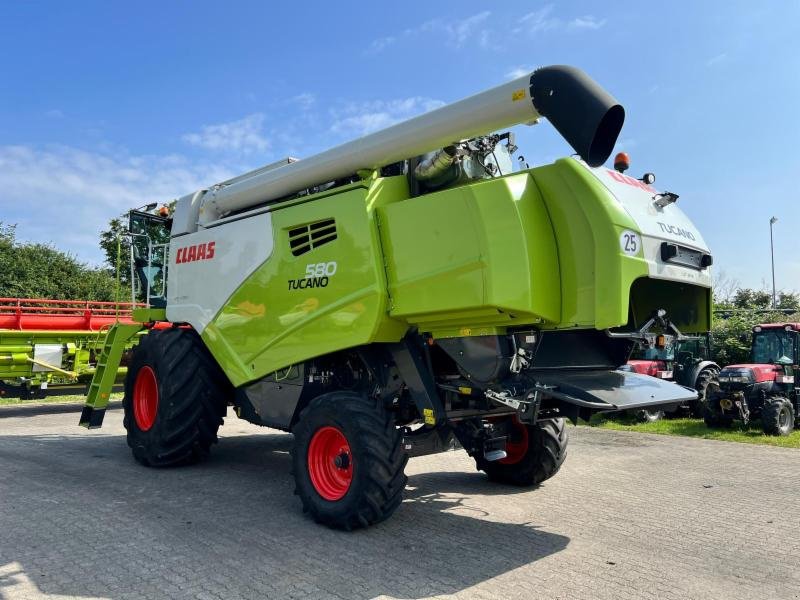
x,y
41,271
789,300
747,298
739,313
116,247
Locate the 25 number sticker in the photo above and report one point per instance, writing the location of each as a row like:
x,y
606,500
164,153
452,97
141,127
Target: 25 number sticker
x,y
629,242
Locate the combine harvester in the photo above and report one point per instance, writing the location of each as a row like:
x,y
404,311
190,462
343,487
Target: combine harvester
x,y
50,347
407,290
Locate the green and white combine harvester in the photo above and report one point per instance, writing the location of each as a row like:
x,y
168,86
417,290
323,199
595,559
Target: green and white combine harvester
x,y
407,290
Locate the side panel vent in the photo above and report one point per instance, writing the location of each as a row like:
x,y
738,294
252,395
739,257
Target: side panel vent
x,y
307,237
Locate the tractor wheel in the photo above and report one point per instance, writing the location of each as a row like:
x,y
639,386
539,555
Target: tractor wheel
x,y
777,416
534,454
348,461
175,398
715,419
648,416
704,378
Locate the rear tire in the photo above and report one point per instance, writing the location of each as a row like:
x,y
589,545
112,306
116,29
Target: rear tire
x,y
777,416
175,398
348,461
535,454
706,376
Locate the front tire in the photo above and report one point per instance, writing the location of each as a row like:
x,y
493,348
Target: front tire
x,y
715,419
175,399
777,416
534,454
348,461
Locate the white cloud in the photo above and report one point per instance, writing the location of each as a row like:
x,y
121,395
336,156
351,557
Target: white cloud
x,y
586,22
80,191
54,113
515,72
380,44
244,136
358,119
538,21
456,32
304,100
716,59
460,32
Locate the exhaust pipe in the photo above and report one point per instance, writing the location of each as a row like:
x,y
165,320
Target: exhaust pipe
x,y
586,116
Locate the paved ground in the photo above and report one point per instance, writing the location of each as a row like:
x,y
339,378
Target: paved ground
x,y
629,516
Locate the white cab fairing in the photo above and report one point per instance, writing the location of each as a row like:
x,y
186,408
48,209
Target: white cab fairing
x,y
657,225
198,284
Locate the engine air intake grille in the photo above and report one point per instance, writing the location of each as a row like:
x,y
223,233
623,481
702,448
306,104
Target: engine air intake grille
x,y
305,238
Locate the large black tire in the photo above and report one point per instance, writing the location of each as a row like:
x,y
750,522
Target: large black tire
x,y
777,416
191,395
535,454
715,419
348,460
704,378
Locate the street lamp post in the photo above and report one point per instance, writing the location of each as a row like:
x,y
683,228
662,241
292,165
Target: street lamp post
x,y
772,222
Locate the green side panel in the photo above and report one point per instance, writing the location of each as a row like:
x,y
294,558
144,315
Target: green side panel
x,y
465,260
596,276
270,322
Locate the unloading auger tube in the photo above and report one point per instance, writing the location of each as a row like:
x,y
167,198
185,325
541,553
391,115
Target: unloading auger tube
x,y
587,116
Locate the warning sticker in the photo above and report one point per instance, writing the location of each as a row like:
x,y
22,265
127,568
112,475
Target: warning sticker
x,y
430,419
517,95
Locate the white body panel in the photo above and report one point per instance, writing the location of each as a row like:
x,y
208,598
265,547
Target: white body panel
x,y
198,288
657,225
503,106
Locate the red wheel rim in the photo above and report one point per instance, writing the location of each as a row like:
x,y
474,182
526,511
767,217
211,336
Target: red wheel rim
x,y
145,398
516,444
330,463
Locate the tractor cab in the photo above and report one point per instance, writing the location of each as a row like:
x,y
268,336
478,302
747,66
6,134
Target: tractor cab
x,y
775,344
149,243
765,387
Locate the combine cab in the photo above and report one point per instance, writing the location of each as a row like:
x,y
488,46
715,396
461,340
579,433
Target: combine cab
x,y
765,387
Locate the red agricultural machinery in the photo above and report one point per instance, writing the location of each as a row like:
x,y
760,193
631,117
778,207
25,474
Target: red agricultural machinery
x,y
765,387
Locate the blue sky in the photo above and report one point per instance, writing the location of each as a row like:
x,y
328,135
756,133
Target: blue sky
x,y
106,106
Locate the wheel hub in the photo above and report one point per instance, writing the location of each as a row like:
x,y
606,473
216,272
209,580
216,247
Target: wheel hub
x,y
145,398
330,463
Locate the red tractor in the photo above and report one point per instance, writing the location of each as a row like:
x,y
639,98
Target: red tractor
x,y
763,388
679,358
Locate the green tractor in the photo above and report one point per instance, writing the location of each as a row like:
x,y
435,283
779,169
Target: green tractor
x,y
406,291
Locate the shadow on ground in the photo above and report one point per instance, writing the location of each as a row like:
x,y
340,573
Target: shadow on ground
x,y
79,517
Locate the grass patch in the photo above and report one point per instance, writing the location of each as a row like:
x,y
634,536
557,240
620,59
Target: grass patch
x,y
73,398
751,434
